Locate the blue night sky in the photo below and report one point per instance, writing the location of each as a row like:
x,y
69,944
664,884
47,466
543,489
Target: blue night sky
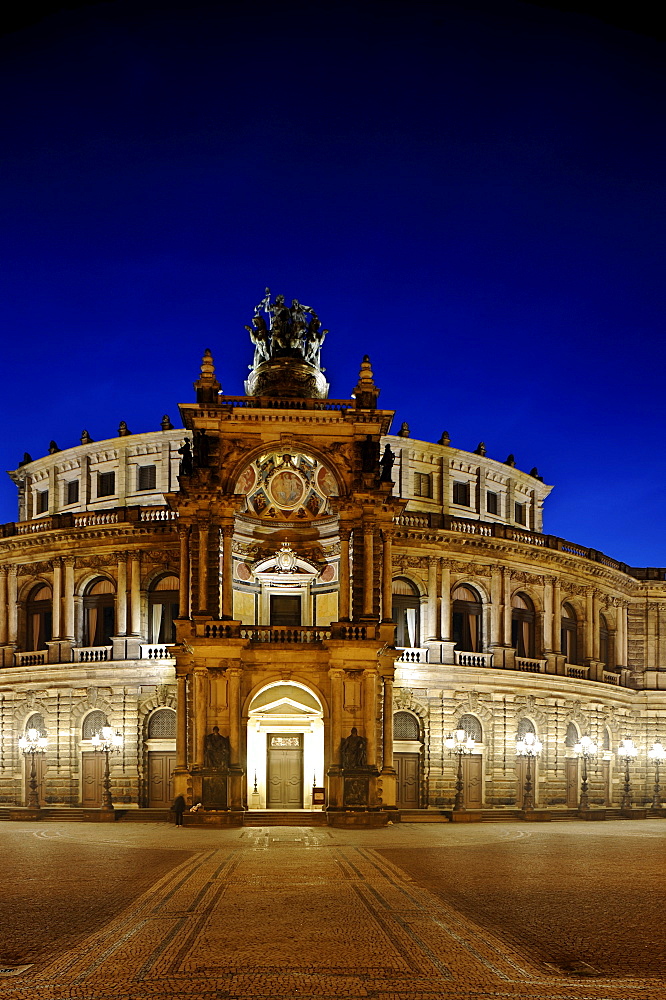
x,y
471,193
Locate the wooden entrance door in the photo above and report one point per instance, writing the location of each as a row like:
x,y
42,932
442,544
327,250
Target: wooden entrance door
x,y
571,780
40,775
284,772
160,785
92,779
473,781
407,771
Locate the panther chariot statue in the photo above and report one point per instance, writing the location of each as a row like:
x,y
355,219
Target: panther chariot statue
x,y
287,350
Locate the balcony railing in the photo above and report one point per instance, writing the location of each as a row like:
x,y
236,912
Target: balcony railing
x,y
34,659
156,652
529,665
413,654
92,654
574,670
466,659
285,635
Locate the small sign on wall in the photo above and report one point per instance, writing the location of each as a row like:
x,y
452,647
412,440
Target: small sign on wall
x,y
318,796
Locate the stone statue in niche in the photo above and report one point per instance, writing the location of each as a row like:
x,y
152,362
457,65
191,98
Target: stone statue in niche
x,y
217,752
353,750
386,462
186,463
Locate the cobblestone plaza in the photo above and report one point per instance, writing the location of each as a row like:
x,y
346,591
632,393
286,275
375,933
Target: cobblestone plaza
x,y
137,911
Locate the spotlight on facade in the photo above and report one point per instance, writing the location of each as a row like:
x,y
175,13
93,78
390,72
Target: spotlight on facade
x,y
460,744
32,743
530,748
657,753
586,750
106,742
627,751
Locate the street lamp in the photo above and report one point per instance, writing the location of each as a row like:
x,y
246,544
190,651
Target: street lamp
x,y
586,750
460,744
658,755
106,741
33,743
529,747
626,752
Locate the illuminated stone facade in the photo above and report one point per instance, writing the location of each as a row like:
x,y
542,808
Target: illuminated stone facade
x,y
335,599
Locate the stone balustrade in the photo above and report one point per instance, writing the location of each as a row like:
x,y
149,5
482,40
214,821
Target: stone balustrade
x,y
412,654
156,652
466,659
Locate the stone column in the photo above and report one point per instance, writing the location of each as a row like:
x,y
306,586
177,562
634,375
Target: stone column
x,y
432,600
368,569
3,606
388,723
589,624
548,614
233,675
506,598
135,593
200,702
336,675
69,598
181,721
387,576
56,599
202,601
184,590
621,637
227,567
370,715
495,603
12,605
557,616
445,608
121,597
343,600
595,625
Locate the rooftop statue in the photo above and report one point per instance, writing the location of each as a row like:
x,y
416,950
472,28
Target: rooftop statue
x,y
291,331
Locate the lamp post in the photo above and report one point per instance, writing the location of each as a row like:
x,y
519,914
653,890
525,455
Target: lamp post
x,y
585,749
33,743
626,752
106,741
658,754
460,744
529,747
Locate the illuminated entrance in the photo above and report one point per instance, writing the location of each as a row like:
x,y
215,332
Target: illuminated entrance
x,y
285,746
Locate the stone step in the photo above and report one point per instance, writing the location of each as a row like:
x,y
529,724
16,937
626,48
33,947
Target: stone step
x,y
277,817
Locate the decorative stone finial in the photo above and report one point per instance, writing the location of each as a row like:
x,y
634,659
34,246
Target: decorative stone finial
x,y
123,429
404,430
27,458
85,438
166,423
445,439
206,386
535,472
366,392
480,448
510,460
53,448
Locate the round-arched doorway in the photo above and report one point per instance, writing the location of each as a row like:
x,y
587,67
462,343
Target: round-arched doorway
x,y
285,746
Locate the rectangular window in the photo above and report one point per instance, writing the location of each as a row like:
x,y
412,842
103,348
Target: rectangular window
x,y
492,505
285,610
422,484
106,484
146,478
42,501
72,491
461,494
520,513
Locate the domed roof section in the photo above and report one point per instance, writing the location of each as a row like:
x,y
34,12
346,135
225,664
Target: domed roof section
x,y
287,346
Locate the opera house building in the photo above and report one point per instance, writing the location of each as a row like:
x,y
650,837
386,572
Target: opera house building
x,y
288,604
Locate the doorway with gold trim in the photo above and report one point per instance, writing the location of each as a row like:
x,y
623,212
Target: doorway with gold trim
x,y
284,767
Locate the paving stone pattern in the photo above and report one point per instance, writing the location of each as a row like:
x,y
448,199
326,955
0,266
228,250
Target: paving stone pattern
x,y
408,913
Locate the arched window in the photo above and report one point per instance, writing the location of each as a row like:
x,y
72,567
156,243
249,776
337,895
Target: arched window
x,y
405,726
467,612
406,613
163,609
604,642
472,727
39,617
92,724
571,738
36,721
522,625
162,724
569,633
525,726
99,613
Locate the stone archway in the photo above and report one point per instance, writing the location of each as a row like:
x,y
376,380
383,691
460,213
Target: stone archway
x,y
285,746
